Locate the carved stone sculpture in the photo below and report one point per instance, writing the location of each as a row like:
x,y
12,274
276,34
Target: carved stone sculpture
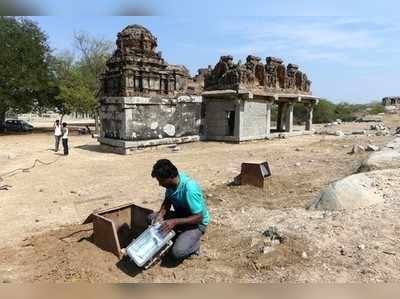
x,y
254,75
291,70
136,68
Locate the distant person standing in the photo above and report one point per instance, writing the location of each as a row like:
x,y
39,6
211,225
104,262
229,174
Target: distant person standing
x,y
57,134
65,138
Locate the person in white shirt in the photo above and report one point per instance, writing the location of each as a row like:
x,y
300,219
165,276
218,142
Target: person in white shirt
x,y
57,134
65,138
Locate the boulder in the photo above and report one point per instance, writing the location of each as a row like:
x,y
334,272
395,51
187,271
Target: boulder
x,y
371,118
357,149
372,148
339,133
394,144
382,133
378,127
362,132
385,159
353,192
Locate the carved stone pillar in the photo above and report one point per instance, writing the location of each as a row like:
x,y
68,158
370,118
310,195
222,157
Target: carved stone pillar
x,y
268,120
280,122
289,117
309,119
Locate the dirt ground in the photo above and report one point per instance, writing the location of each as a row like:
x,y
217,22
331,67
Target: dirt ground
x,y
42,239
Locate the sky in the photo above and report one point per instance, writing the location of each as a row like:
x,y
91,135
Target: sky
x,y
349,49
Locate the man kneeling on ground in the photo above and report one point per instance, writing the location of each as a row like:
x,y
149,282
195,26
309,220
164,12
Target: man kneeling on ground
x,y
190,217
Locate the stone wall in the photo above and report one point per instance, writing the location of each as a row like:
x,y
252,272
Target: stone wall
x,y
136,120
254,123
216,119
251,119
112,118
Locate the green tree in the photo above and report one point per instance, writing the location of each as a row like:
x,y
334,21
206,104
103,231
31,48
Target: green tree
x,y
74,94
345,111
324,112
24,72
377,108
94,53
299,113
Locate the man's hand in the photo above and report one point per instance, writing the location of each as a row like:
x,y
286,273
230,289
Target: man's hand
x,y
168,225
157,218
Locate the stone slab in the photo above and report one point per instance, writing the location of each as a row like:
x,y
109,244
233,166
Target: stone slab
x,y
123,147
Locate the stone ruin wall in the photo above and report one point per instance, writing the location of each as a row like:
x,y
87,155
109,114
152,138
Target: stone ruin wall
x,y
271,77
391,101
142,118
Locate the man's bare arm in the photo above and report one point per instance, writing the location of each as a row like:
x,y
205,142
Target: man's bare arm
x,y
194,219
165,207
168,225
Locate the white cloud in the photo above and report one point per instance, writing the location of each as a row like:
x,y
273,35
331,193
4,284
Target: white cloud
x,y
354,42
305,31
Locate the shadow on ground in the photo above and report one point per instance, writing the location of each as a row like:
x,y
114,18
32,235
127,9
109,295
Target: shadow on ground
x,y
92,148
129,267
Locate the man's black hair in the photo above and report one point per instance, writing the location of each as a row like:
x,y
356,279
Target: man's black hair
x,y
164,169
64,124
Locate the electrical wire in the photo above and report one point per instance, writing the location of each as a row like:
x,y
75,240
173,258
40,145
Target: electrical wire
x,y
15,171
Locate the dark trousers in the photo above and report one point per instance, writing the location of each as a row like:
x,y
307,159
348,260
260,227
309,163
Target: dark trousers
x,y
65,145
57,138
187,238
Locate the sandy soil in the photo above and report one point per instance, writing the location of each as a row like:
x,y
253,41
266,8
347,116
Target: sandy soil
x,y
42,239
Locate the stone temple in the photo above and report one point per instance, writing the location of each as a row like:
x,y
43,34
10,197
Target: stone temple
x,y
239,98
146,102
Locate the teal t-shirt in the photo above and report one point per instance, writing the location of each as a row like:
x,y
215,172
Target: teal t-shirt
x,y
187,199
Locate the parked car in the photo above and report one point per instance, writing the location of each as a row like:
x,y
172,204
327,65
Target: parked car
x,y
17,125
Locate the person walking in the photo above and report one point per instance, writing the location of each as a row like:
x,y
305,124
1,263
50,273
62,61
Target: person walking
x,y
65,138
57,134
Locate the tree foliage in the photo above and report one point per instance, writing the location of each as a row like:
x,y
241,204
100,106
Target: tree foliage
x,y
93,53
74,95
24,72
327,111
